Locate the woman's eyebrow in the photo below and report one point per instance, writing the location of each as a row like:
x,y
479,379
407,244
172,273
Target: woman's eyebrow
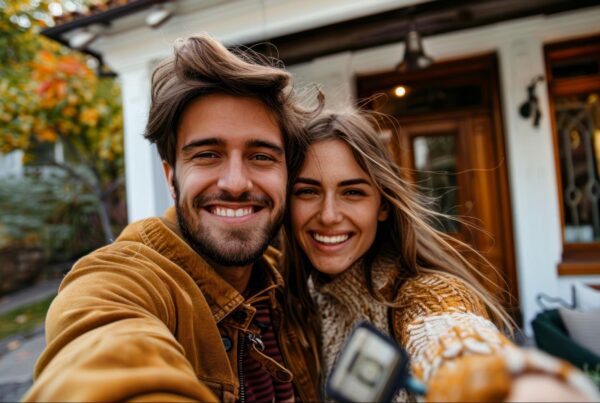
x,y
347,182
308,181
357,181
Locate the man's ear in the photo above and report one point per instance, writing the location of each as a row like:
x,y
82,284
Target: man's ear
x,y
170,176
384,211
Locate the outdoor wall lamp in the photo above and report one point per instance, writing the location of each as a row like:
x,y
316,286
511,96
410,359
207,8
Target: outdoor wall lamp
x,y
531,106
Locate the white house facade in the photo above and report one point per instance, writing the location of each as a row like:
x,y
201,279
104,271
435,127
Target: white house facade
x,y
131,49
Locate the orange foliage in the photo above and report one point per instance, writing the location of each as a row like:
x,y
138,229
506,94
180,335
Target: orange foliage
x,y
47,134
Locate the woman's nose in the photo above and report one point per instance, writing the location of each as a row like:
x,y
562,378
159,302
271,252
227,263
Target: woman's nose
x,y
330,212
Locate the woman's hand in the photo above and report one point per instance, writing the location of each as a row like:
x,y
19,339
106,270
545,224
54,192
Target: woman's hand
x,y
520,375
474,378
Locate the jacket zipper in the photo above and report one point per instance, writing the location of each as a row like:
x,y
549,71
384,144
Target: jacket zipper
x,y
241,354
258,344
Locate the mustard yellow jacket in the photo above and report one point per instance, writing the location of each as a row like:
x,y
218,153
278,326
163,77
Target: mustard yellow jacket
x,y
147,319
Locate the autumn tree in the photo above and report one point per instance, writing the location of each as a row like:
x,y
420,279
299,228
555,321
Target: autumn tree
x,y
49,94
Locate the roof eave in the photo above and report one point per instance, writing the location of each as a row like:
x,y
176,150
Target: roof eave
x,y
103,17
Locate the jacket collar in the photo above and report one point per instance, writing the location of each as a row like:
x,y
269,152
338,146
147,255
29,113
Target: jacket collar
x,y
164,236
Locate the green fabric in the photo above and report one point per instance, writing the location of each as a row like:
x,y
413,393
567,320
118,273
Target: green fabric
x,y
552,337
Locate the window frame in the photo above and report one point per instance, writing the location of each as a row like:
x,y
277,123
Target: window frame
x,y
577,258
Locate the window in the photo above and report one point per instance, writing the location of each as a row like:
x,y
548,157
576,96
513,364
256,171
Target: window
x,y
436,174
573,70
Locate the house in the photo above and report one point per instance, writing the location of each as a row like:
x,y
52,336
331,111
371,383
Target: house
x,y
509,107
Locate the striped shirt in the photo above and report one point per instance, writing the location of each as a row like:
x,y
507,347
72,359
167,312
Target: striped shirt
x,y
259,385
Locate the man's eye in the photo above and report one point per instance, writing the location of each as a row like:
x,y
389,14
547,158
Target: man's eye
x,y
206,155
262,157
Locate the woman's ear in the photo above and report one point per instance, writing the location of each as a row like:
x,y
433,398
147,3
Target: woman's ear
x,y
384,211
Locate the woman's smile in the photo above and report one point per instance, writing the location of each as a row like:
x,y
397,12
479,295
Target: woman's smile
x,y
330,243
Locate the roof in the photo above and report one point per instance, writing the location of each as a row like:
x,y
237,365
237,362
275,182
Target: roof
x,y
434,18
99,12
82,10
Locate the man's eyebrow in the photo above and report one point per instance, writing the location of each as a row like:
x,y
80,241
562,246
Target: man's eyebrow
x,y
213,141
264,144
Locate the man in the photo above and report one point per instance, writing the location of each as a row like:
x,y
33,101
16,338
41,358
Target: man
x,y
185,307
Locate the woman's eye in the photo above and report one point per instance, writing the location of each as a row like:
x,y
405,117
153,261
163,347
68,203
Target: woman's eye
x,y
305,192
354,192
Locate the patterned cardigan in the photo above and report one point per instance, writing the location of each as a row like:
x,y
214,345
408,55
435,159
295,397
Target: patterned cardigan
x,y
442,324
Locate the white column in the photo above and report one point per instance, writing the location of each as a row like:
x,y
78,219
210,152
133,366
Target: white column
x,y
536,213
147,193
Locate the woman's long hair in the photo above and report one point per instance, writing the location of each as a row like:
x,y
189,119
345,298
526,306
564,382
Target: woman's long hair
x,y
410,228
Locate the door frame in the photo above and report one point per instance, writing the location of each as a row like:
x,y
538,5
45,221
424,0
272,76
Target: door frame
x,y
484,70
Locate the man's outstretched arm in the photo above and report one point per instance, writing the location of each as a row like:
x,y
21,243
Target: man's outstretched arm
x,y
110,338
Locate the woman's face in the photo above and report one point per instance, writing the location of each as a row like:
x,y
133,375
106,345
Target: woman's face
x,y
335,207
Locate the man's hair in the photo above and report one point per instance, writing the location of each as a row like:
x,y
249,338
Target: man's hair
x,y
200,66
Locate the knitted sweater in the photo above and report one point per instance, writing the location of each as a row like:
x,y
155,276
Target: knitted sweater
x,y
441,323
343,302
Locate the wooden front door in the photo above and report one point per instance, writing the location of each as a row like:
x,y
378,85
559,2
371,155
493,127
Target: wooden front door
x,y
453,148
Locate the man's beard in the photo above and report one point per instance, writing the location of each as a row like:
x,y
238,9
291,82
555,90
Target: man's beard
x,y
241,247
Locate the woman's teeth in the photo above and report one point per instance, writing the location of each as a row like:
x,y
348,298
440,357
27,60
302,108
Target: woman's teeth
x,y
229,212
330,239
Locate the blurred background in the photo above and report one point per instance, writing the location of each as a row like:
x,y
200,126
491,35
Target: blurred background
x,y
495,112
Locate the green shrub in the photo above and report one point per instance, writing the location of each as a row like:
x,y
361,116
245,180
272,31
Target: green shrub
x,y
48,210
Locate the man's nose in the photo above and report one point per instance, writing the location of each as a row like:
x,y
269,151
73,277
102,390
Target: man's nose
x,y
330,211
234,178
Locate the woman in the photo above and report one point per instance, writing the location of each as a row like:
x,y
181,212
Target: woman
x,y
361,246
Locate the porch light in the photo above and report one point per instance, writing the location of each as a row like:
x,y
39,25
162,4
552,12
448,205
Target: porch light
x,y
400,91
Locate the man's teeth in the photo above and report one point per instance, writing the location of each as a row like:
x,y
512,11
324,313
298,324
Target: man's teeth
x,y
331,239
229,212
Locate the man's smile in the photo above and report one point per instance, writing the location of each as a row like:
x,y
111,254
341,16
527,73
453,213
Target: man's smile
x,y
234,214
230,212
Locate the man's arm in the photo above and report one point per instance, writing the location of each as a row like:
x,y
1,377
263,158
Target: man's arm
x,y
110,339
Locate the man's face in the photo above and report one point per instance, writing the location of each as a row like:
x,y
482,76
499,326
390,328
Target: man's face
x,y
229,178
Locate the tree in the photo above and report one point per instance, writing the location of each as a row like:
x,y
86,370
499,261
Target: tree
x,y
50,94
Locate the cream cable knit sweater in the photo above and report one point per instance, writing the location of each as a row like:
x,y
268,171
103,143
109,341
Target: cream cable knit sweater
x,y
441,319
443,326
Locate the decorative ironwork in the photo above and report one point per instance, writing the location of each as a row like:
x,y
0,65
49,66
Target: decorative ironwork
x,y
578,124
